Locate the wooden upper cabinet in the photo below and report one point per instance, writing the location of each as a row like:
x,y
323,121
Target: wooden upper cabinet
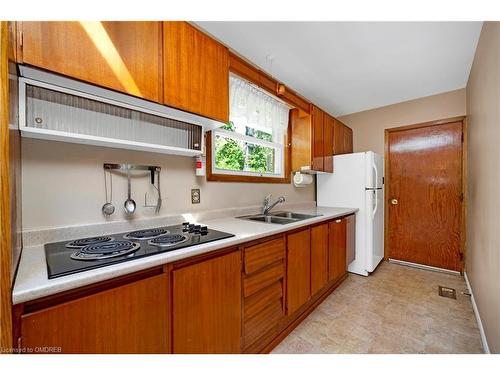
x,y
312,140
342,138
123,56
319,257
338,138
301,140
207,306
337,248
298,269
318,139
348,144
131,318
196,71
328,130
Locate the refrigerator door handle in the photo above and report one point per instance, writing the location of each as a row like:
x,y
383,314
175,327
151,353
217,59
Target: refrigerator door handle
x,y
376,203
374,166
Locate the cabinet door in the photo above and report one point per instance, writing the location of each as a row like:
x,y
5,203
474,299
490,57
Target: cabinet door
x,y
319,257
124,56
348,146
338,138
298,269
337,249
301,139
196,71
131,318
328,129
317,139
207,306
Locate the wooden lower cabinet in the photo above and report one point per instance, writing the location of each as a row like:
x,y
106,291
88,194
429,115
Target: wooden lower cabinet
x,y
298,269
131,318
319,257
207,306
337,261
235,300
263,289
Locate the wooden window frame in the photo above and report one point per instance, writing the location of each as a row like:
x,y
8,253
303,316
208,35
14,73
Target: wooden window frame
x,y
225,177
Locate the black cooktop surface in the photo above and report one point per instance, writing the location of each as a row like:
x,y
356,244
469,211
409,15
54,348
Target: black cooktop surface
x,y
68,257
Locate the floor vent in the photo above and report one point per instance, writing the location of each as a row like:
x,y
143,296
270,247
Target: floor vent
x,y
447,292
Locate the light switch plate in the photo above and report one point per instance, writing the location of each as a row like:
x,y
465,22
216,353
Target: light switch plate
x,y
195,196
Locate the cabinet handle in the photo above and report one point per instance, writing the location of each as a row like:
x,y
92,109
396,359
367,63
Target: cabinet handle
x,y
394,201
338,220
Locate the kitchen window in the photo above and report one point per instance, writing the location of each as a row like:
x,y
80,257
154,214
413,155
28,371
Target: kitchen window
x,y
253,144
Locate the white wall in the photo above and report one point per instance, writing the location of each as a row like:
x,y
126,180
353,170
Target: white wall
x,y
368,126
63,184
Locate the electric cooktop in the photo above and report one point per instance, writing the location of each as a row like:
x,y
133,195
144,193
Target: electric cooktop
x,y
68,257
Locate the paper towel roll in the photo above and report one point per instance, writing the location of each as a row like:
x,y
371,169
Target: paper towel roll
x,y
301,180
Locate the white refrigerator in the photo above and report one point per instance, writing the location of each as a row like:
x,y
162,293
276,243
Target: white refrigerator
x,y
358,181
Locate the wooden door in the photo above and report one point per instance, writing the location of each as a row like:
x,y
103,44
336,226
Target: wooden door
x,y
317,139
196,71
207,306
337,246
298,269
425,193
319,257
328,129
131,318
124,56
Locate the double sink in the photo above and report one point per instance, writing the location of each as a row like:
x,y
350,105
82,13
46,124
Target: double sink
x,y
282,217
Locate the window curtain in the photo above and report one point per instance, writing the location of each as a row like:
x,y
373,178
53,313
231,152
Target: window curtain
x,y
252,107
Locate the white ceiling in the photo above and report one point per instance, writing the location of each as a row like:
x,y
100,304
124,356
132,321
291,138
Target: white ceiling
x,y
347,67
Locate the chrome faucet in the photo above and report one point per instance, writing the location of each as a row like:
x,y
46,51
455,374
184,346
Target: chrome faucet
x,y
267,206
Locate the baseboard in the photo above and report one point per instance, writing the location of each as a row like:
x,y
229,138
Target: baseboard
x,y
478,317
423,267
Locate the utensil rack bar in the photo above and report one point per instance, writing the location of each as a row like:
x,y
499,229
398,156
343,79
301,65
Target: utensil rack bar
x,y
151,168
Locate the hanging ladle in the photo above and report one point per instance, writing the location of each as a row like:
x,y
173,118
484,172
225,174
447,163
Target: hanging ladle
x,y
129,203
108,208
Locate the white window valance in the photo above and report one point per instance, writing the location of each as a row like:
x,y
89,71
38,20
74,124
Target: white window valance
x,y
252,107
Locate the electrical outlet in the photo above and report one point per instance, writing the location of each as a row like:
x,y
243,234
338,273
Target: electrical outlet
x,y
195,196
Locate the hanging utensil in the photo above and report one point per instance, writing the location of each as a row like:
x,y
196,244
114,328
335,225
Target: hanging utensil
x,y
158,202
108,208
129,203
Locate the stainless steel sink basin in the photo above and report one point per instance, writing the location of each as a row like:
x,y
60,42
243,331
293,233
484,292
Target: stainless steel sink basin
x,y
272,219
293,215
278,217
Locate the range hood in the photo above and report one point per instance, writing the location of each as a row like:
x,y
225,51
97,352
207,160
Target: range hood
x,y
57,108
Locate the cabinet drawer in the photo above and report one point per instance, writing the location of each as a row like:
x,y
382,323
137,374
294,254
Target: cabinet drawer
x,y
260,300
261,323
263,254
260,280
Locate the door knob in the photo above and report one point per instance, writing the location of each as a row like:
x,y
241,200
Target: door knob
x,y
394,201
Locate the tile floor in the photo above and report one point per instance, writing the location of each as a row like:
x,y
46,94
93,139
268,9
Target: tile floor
x,y
395,310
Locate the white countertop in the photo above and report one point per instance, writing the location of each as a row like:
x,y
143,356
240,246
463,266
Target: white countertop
x,y
32,281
